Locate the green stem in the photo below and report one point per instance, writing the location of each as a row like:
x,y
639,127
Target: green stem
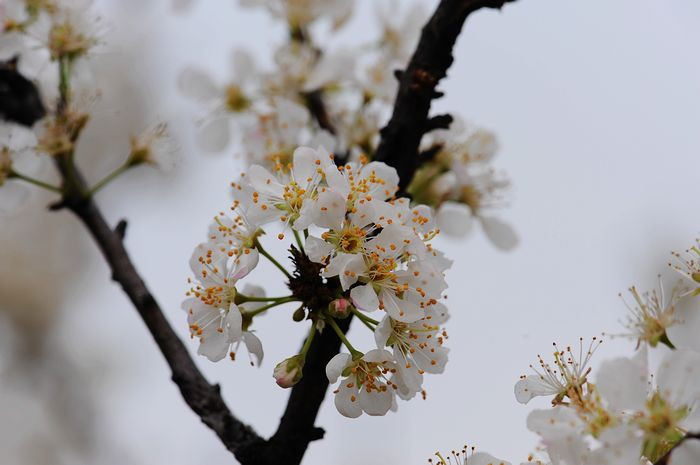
x,y
365,319
107,179
309,340
342,337
36,182
298,238
269,257
242,298
63,83
267,307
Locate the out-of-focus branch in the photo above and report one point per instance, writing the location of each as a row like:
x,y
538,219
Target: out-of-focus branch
x,y
666,459
400,138
203,398
317,107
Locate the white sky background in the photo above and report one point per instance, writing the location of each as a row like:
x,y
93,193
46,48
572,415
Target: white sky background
x,y
596,105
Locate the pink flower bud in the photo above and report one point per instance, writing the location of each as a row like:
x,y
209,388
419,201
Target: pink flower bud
x,y
289,371
340,308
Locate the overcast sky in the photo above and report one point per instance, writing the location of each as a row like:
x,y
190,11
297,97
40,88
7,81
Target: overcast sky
x,y
596,106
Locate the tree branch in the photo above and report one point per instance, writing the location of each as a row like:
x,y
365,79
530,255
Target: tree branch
x,y
400,138
203,398
317,107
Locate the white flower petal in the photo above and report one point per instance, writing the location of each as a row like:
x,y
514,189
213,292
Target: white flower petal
x,y
214,135
454,219
317,249
214,345
376,403
623,383
364,298
532,386
254,346
678,377
400,309
499,233
346,399
12,196
482,458
336,365
196,84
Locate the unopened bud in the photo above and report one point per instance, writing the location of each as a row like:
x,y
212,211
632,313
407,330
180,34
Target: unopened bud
x,y
299,314
340,308
289,371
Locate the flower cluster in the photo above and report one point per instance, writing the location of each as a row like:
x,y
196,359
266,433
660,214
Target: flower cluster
x,y
460,183
623,412
318,95
628,414
46,45
372,249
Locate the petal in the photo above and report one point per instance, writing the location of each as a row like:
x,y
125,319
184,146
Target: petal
x,y
364,298
435,360
305,164
346,399
387,179
378,356
376,403
331,205
400,309
12,196
245,263
317,249
482,458
196,84
254,346
354,267
233,322
336,365
623,383
557,422
454,219
678,377
214,345
383,330
499,233
265,182
214,134
532,386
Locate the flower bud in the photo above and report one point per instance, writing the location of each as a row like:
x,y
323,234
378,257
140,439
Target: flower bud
x,y
289,371
299,314
340,308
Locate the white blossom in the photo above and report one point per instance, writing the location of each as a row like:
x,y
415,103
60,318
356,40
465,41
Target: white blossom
x,y
213,315
365,385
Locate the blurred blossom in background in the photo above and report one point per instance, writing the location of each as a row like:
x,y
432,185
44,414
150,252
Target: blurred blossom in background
x,y
596,106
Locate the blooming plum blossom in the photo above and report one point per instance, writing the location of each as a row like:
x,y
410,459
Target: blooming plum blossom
x,y
417,347
213,315
566,378
365,385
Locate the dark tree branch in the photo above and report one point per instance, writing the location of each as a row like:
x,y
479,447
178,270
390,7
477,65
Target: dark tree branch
x,y
203,398
400,138
317,107
399,148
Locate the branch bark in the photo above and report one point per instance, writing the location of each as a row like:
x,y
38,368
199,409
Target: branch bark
x,y
400,138
203,398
